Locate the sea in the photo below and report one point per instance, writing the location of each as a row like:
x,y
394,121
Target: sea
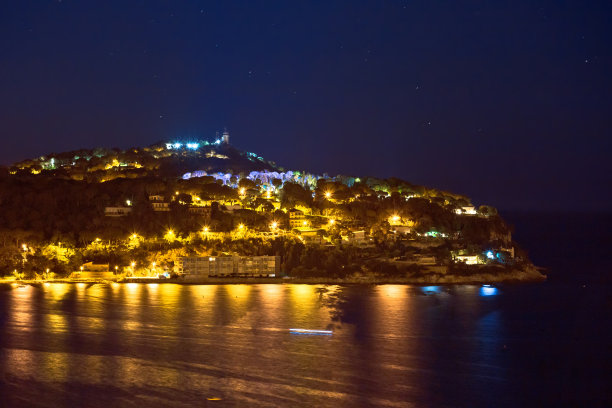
x,y
544,344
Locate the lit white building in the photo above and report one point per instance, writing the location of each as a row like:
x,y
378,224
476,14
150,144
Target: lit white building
x,y
467,210
468,259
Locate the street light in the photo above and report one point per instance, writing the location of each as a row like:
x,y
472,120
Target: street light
x,y
240,226
327,194
332,222
274,225
242,191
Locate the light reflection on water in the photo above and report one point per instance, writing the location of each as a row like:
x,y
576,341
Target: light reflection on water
x,y
176,345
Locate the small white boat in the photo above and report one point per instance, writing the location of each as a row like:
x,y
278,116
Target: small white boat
x,y
310,331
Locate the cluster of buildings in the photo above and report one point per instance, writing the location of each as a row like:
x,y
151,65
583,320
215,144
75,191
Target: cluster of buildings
x,y
158,204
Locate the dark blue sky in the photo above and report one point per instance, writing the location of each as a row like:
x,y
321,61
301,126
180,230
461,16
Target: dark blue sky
x,y
508,102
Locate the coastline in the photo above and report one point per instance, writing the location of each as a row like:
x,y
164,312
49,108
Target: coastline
x,y
529,274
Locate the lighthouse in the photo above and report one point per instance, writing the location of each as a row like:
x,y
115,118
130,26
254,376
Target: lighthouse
x,y
225,137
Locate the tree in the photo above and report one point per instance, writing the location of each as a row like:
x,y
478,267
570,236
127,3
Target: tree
x,y
246,183
277,183
293,194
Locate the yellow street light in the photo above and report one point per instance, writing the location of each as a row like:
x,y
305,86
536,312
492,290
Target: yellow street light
x,y
128,202
133,264
274,225
327,194
205,229
304,223
332,222
242,191
240,226
81,268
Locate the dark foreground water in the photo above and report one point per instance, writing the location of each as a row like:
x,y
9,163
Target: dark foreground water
x,y
153,345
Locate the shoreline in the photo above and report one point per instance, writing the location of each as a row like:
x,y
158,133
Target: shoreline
x,y
510,276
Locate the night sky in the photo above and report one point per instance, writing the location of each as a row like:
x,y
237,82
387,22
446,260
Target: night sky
x,y
509,102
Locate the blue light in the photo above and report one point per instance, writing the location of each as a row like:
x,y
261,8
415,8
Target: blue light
x,y
490,255
488,290
193,146
177,145
218,141
428,290
169,146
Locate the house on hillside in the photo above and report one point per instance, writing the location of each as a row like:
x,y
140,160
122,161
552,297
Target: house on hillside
x,y
117,211
91,270
158,203
201,211
357,237
311,236
296,218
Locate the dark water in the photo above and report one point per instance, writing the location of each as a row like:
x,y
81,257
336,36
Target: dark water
x,y
135,345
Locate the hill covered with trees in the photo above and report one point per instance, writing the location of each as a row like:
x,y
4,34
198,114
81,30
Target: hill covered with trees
x,y
150,205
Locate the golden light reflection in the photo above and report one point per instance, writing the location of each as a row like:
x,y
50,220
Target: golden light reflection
x,y
393,290
57,322
303,298
205,291
58,290
272,289
132,287
238,291
302,290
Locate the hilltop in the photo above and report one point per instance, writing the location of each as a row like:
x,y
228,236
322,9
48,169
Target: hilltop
x,y
162,159
155,204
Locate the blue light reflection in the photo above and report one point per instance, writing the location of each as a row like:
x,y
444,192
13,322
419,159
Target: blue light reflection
x,y
430,290
487,290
